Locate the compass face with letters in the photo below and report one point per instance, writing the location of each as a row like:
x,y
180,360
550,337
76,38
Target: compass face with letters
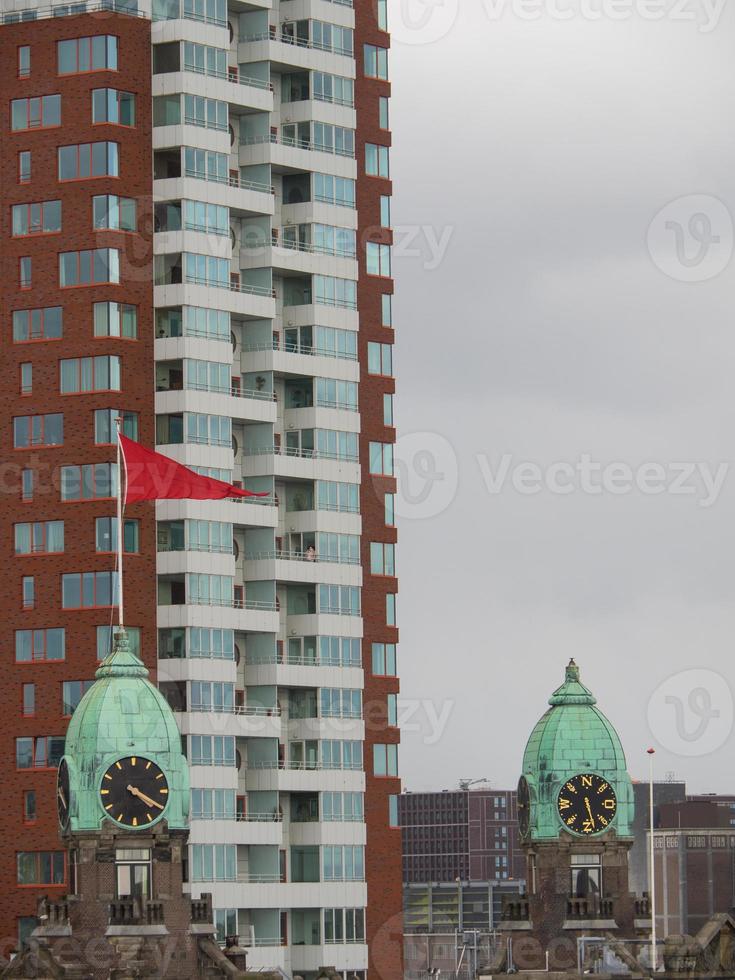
x,y
134,792
63,793
523,803
587,804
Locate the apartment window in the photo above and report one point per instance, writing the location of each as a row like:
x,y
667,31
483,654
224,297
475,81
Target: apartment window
x,y
385,210
334,190
340,702
41,868
26,485
380,359
39,646
116,319
39,324
375,61
24,61
381,458
213,862
25,272
343,863
377,258
344,925
80,375
113,212
199,111
105,636
385,760
91,481
105,535
384,112
383,15
217,644
72,693
97,265
28,592
42,218
38,430
28,698
82,54
387,310
390,509
212,750
338,807
339,600
39,538
382,558
24,166
390,609
377,160
393,811
83,160
105,428
388,410
384,659
327,88
29,806
205,164
88,590
112,106
206,270
213,804
392,710
42,752
205,60
331,291
341,754
41,112
26,378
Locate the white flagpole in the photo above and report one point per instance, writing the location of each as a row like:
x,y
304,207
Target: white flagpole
x,y
652,857
118,422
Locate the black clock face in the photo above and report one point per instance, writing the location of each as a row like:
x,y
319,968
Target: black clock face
x,y
134,791
587,804
63,798
523,802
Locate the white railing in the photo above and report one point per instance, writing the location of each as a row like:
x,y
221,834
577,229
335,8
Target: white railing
x,y
206,548
300,556
233,287
298,144
255,817
252,878
205,123
253,604
326,199
231,181
292,766
301,453
296,42
269,660
308,349
237,709
231,76
298,246
235,391
68,10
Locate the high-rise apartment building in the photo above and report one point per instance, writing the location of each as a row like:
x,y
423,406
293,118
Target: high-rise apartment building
x,y
196,239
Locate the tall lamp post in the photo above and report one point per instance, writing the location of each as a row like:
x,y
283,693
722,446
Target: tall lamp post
x,y
652,875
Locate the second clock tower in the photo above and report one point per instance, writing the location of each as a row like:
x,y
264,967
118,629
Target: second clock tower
x,y
575,811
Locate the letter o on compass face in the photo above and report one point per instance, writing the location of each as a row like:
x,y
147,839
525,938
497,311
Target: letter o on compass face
x,y
586,804
134,792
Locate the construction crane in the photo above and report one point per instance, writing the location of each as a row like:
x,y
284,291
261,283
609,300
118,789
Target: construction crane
x,y
464,784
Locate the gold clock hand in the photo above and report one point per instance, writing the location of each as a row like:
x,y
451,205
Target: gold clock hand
x,y
141,796
589,809
61,796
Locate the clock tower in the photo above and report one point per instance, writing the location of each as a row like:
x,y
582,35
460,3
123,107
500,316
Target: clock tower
x,y
123,802
575,813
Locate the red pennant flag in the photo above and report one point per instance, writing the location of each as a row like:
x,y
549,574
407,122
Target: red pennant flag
x,y
152,476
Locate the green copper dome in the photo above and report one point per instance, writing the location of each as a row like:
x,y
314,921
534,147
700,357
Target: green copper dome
x,y
573,737
123,715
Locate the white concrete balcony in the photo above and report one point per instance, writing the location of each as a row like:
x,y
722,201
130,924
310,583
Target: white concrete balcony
x,y
198,454
318,212
186,134
302,363
254,618
325,624
298,258
318,832
285,895
304,729
339,12
343,956
320,109
282,566
240,512
300,675
337,521
271,461
285,154
182,669
236,832
318,417
307,314
284,55
190,240
197,348
238,403
303,780
243,198
206,562
247,722
249,302
212,33
239,91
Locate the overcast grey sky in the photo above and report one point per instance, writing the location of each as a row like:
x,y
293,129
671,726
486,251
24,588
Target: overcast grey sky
x,y
554,328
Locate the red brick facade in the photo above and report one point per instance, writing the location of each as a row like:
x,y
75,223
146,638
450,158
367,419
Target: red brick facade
x,y
134,181
383,852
